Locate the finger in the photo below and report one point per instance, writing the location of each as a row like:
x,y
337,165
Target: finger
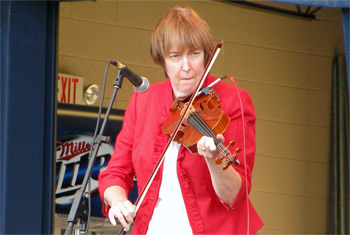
x,y
210,145
121,213
131,208
201,145
127,213
123,221
111,216
221,138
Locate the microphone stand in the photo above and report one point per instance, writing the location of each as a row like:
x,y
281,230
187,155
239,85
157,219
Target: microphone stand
x,y
79,208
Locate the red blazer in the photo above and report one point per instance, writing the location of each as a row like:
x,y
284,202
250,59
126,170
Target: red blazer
x,y
141,142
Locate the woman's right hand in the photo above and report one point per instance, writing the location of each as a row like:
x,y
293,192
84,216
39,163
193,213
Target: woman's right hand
x,y
124,211
120,207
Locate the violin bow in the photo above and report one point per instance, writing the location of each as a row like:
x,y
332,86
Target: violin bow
x,y
145,189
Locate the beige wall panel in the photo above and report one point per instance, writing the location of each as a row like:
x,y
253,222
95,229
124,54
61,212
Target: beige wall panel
x,y
284,34
281,212
318,76
317,144
235,24
273,231
74,66
318,108
97,11
99,41
143,56
291,105
291,141
65,9
326,37
317,179
253,27
330,14
271,66
139,14
263,28
291,175
316,215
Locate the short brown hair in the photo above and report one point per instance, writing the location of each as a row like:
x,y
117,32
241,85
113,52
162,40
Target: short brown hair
x,y
183,26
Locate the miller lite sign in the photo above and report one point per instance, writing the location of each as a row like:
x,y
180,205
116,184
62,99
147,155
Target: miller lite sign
x,y
72,160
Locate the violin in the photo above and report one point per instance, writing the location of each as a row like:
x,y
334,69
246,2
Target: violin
x,y
203,118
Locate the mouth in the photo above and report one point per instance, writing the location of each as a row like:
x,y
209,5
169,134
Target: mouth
x,y
188,78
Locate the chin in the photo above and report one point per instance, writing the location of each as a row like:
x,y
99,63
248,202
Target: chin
x,y
184,94
185,91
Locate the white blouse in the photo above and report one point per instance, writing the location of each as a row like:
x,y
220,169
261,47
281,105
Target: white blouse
x,y
170,216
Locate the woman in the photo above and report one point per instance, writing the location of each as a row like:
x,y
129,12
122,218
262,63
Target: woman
x,y
191,194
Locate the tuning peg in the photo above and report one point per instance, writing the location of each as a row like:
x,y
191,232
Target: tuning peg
x,y
237,151
229,157
231,144
227,165
218,161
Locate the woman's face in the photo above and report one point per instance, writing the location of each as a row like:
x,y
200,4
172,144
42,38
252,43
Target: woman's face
x,y
184,69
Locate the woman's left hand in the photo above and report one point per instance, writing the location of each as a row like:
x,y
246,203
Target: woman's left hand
x,y
207,148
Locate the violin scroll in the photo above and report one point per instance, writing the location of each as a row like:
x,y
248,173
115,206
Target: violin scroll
x,y
218,160
230,158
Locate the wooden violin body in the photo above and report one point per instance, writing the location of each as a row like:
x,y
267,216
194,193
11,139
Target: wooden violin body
x,y
204,118
206,107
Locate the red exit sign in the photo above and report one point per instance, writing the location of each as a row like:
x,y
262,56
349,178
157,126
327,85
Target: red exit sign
x,y
70,89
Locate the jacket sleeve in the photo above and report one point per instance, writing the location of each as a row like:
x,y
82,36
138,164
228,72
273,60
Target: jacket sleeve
x,y
120,171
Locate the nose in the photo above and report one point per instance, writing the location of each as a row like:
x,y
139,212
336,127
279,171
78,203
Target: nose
x,y
186,66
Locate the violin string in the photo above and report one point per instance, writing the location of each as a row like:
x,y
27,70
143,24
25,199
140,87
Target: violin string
x,y
218,142
208,131
202,127
196,120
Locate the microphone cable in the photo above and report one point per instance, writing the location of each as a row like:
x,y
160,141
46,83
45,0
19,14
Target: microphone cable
x,y
94,138
244,151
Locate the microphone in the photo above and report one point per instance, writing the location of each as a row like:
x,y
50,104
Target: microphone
x,y
141,84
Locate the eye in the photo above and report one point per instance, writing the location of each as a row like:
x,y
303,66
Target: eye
x,y
174,56
195,54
